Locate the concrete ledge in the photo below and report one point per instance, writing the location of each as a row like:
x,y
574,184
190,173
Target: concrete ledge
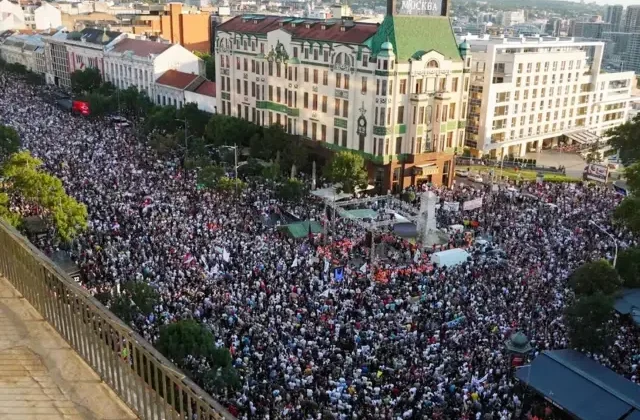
x,y
41,377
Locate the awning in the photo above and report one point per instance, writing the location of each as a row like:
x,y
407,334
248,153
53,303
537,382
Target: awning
x,y
583,137
426,169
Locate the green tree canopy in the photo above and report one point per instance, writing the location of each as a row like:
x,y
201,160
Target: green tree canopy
x,y
294,153
628,267
209,64
85,81
626,139
628,212
186,338
595,277
9,142
224,130
197,120
586,321
291,190
209,175
594,155
133,103
348,169
25,179
163,120
230,185
269,143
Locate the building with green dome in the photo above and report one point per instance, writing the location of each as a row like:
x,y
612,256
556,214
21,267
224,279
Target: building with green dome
x,y
394,91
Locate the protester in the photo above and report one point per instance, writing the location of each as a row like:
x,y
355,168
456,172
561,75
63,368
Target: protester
x,y
398,340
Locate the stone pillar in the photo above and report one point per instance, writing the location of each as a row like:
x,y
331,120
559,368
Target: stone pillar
x,y
427,220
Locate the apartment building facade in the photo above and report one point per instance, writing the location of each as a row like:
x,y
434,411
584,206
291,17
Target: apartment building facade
x,y
139,63
395,92
529,93
57,59
86,48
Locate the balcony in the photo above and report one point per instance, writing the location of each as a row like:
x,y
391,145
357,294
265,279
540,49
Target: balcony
x,y
42,378
418,97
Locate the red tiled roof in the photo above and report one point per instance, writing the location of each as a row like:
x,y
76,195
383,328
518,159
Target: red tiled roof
x,y
176,79
208,88
141,48
355,34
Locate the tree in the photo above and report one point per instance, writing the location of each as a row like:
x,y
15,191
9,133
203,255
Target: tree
x,y
142,295
162,120
626,139
100,104
5,213
197,119
628,267
594,155
190,338
230,185
209,64
123,307
595,277
628,212
291,190
267,146
209,175
186,338
348,169
164,144
294,153
632,175
133,103
586,321
85,81
223,130
25,179
9,142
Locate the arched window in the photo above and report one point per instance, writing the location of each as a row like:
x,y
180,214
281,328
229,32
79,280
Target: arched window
x,y
433,64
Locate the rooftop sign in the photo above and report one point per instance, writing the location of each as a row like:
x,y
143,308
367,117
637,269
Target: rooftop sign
x,y
418,7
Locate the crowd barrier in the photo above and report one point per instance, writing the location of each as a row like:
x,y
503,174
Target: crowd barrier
x,y
145,380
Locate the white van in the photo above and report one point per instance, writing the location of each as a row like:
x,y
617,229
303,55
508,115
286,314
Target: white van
x,y
450,257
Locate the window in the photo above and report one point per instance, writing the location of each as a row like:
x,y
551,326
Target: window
x,y
345,109
346,81
325,54
444,112
278,98
344,138
315,76
305,99
315,54
306,74
336,107
452,111
400,115
315,101
365,60
324,103
278,69
338,80
454,84
304,128
403,86
421,113
246,88
384,88
325,77
314,131
364,84
398,145
336,136
238,86
323,132
295,52
246,64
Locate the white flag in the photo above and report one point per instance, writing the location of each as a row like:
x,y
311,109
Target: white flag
x,y
363,269
225,255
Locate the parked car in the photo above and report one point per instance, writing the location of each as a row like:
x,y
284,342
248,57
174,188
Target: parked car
x,y
476,178
462,173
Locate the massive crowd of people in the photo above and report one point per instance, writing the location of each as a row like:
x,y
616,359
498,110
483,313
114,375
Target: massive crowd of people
x,y
400,339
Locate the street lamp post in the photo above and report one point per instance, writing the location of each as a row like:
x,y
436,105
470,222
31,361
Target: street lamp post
x,y
613,238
